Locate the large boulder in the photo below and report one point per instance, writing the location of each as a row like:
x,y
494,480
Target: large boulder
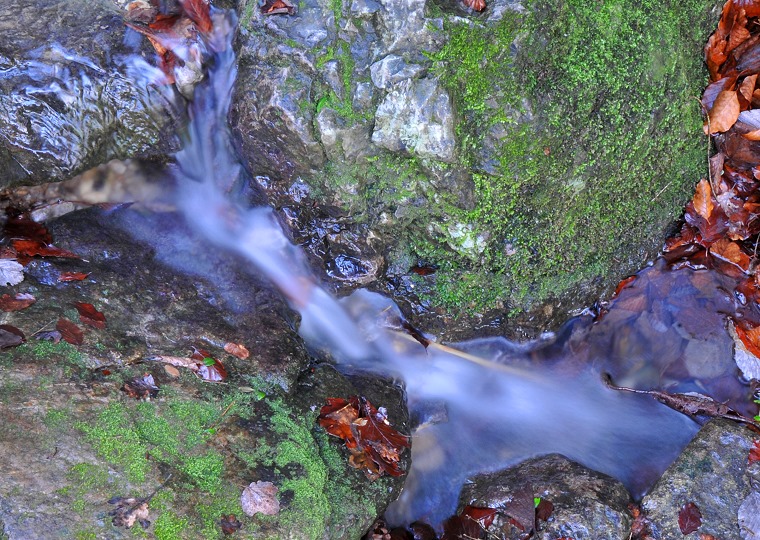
x,y
72,440
76,93
511,164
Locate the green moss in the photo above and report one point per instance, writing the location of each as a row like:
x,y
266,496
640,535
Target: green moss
x,y
169,527
610,84
45,350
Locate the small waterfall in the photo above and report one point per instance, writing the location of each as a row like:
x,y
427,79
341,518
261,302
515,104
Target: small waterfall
x,y
482,405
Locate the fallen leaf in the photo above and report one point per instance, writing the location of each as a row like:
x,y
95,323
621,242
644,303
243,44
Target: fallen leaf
x,y
230,524
689,518
522,509
730,253
278,7
48,335
171,371
198,12
90,316
374,445
237,350
72,276
70,332
11,272
141,387
471,523
260,498
201,363
544,510
128,511
17,302
754,453
724,113
32,248
477,5
423,269
703,200
10,336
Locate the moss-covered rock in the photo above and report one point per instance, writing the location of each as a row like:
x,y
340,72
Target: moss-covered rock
x,y
577,143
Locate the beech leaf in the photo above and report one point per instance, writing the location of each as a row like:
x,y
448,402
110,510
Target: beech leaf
x,y
16,302
10,336
90,316
725,112
70,332
237,350
260,498
702,200
689,518
11,272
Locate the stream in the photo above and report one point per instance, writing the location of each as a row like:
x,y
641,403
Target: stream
x,y
489,403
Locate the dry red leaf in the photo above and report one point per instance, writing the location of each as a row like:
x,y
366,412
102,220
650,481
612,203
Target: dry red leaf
x,y
754,452
70,332
16,302
374,445
237,350
477,5
90,316
724,113
72,276
689,518
31,248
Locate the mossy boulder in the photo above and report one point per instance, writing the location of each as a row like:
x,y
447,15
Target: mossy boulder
x,y
577,140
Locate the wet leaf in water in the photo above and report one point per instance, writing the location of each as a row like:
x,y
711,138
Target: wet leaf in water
x,y
237,350
689,518
471,523
10,336
17,302
260,498
198,12
70,332
141,387
90,316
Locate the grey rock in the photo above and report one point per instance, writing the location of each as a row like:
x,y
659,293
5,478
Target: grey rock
x,y
587,505
417,117
403,26
274,130
364,8
711,473
749,517
393,69
75,93
342,141
363,96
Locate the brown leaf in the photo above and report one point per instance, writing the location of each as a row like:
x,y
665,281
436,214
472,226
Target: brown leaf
x,y
754,453
703,200
10,336
278,7
208,368
171,371
236,349
728,253
544,510
522,509
260,498
90,316
72,276
70,332
17,302
31,248
230,524
689,518
751,338
141,387
198,12
747,87
477,5
724,113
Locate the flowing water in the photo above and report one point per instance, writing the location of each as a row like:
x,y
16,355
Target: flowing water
x,y
485,404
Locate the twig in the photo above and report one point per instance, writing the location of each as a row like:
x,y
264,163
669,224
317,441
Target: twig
x,y
224,413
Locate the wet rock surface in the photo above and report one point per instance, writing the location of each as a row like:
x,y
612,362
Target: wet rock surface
x,y
359,101
84,441
76,93
587,504
712,472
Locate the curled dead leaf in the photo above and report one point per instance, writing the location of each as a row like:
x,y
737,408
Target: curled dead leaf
x,y
237,350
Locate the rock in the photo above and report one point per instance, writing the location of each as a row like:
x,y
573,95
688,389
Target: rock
x,y
392,70
416,117
749,517
587,504
75,92
72,440
711,472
